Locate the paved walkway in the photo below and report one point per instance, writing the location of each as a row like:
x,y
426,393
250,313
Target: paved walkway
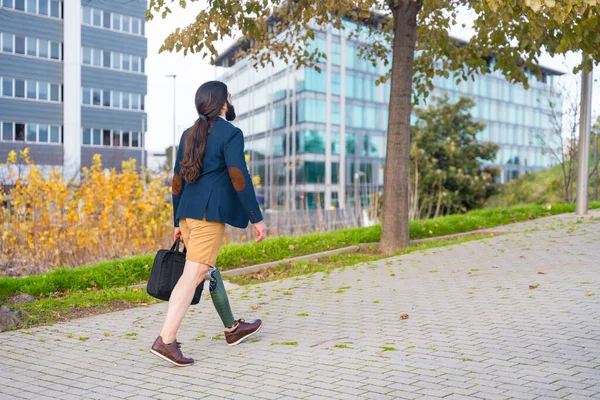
x,y
475,330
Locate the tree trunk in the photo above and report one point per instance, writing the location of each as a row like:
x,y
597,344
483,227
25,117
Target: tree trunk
x,y
395,233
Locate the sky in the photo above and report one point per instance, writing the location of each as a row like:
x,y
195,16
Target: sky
x,y
192,71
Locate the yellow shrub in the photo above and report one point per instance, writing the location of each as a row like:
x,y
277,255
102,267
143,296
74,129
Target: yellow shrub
x,y
55,222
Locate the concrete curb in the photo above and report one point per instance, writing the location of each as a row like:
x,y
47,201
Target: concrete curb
x,y
309,257
350,249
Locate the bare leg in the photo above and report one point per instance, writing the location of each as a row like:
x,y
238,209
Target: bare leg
x,y
193,274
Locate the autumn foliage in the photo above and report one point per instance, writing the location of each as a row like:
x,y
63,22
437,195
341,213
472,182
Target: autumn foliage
x,y
49,221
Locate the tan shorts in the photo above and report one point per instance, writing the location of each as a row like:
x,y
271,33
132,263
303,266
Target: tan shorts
x,y
202,239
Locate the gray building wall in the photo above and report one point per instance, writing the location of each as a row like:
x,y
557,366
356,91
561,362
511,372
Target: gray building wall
x,y
48,70
110,157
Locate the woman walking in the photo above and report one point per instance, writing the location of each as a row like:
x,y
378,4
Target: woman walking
x,y
211,187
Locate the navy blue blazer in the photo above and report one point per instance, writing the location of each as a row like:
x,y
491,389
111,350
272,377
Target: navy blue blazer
x,y
224,190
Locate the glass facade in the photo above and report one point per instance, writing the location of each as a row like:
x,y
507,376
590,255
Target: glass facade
x,y
303,124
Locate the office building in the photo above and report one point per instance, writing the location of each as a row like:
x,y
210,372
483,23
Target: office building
x,y
72,81
327,129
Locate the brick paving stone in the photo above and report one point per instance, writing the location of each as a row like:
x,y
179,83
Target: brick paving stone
x,y
482,334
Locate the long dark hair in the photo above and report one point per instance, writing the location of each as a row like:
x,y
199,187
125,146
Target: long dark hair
x,y
210,98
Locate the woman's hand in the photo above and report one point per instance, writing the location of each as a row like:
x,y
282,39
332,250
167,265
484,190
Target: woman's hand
x,y
177,234
261,231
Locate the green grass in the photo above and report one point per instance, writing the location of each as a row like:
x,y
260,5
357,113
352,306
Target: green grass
x,y
81,303
543,187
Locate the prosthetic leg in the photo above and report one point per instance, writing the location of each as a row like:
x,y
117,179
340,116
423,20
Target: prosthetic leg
x,y
219,298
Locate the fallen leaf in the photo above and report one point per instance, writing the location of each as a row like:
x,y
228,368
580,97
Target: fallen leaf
x,y
589,294
135,289
534,286
291,247
454,271
404,316
541,273
522,257
495,266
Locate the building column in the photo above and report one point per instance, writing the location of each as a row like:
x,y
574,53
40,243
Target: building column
x,y
287,157
342,168
294,165
328,100
72,89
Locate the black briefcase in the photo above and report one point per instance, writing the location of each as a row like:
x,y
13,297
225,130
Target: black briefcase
x,y
166,271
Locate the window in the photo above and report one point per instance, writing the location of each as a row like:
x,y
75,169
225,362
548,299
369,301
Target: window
x,y
142,102
135,139
20,132
87,136
126,100
87,55
97,17
7,131
87,15
54,92
126,23
106,98
31,132
86,96
19,44
116,60
43,48
7,42
116,22
97,57
106,137
106,54
136,25
106,19
54,134
96,97
116,99
7,3
125,139
32,6
43,134
314,172
20,88
31,47
97,137
20,5
7,87
43,90
116,139
55,50
31,89
135,101
54,9
125,65
135,64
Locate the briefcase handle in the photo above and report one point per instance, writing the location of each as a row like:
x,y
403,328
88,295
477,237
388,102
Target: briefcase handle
x,y
175,246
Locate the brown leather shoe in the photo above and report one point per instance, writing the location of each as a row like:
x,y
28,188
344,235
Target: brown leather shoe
x,y
242,331
170,352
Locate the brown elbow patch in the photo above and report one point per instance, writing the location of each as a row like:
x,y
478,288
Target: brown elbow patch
x,y
176,184
237,178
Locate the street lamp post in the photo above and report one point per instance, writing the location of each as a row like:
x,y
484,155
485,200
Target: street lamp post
x,y
585,122
173,150
596,136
